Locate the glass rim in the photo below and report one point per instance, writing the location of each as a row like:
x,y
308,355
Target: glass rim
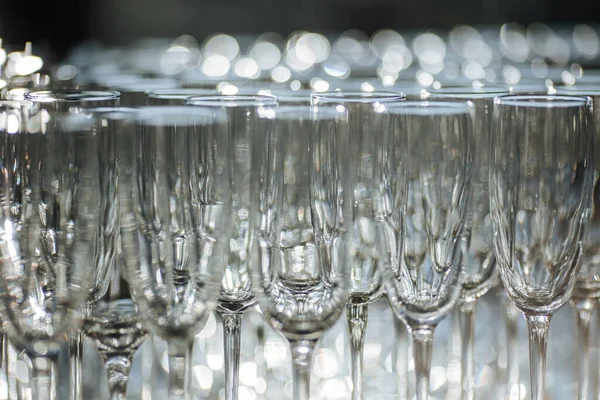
x,y
542,101
431,108
179,93
356,96
72,96
232,100
468,92
585,89
116,113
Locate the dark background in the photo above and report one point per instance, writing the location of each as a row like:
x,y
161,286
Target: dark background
x,y
60,24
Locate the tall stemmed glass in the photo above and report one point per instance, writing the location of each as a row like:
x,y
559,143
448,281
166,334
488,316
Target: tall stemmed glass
x,y
300,254
173,224
426,172
245,127
75,101
368,119
586,293
477,248
110,318
50,210
541,181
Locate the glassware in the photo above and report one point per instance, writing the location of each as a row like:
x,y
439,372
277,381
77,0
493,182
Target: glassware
x,y
367,111
300,254
476,245
50,211
541,181
426,172
175,97
245,127
586,293
173,221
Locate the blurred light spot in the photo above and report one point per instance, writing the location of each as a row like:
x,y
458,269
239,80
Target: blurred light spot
x,y
334,389
325,364
266,54
248,373
276,353
214,360
585,40
424,78
384,39
203,376
511,74
296,63
295,85
224,45
473,70
438,378
174,60
539,68
490,75
210,328
260,386
216,65
336,66
66,72
576,70
567,78
537,36
227,88
513,42
429,48
281,74
312,48
557,49
247,68
12,123
245,393
28,65
319,85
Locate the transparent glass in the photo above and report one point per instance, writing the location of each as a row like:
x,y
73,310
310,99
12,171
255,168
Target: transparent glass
x,y
50,191
541,181
367,114
426,161
173,222
247,117
175,97
300,255
476,245
587,287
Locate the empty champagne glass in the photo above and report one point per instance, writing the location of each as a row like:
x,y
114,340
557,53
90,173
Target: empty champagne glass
x,y
368,118
425,173
173,224
110,318
245,127
300,257
587,287
541,178
50,203
476,245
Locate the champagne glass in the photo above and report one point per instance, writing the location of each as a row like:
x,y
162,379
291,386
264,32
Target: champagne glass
x,y
173,224
110,318
245,127
426,172
300,254
367,112
541,178
50,210
476,246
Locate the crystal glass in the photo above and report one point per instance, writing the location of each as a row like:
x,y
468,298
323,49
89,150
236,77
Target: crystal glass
x,y
541,180
367,112
586,293
300,255
51,210
173,224
245,127
476,245
426,161
175,97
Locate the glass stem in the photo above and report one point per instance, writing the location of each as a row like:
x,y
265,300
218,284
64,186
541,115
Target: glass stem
x,y
402,357
75,367
357,316
467,330
537,326
4,360
180,357
584,309
43,377
117,368
302,355
232,323
595,382
422,349
512,351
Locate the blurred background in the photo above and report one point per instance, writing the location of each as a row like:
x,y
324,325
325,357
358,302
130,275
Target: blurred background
x,y
60,25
